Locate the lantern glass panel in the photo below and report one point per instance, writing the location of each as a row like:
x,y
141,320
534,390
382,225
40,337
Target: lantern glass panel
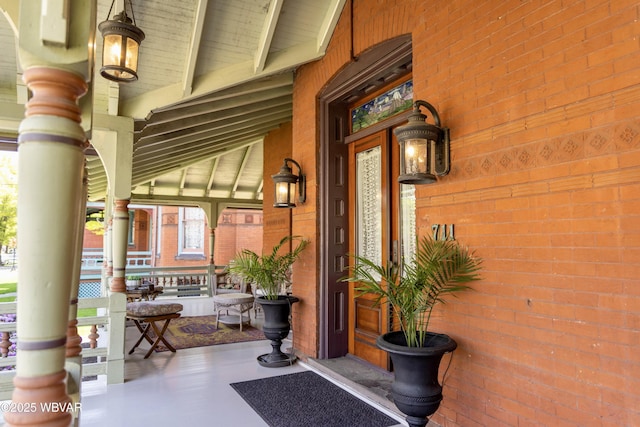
x,y
416,156
285,193
112,49
132,55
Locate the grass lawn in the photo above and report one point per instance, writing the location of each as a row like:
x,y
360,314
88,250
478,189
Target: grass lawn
x,y
87,312
10,287
6,288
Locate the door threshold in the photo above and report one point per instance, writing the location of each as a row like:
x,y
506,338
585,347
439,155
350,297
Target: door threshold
x,y
361,378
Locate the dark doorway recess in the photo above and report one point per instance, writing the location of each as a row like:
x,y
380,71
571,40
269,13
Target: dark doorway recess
x,y
372,70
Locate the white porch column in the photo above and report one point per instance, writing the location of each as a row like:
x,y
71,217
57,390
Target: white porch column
x,y
50,173
211,211
73,339
56,55
73,363
120,234
107,261
113,140
212,245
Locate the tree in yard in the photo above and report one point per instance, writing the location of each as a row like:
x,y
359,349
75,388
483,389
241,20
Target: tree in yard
x,y
8,202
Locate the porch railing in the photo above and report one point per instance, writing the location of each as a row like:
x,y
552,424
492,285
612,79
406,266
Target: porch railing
x,y
96,347
93,259
7,349
193,281
180,281
103,334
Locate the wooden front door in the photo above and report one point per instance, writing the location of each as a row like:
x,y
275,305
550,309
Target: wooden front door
x,y
372,206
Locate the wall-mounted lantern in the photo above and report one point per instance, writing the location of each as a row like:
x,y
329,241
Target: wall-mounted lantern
x,y
285,186
120,46
424,148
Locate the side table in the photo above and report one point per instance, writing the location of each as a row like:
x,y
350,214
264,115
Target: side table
x,y
143,294
234,306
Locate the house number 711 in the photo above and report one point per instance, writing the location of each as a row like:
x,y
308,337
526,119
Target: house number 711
x,y
443,232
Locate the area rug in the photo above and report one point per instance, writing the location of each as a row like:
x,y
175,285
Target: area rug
x,y
307,399
201,331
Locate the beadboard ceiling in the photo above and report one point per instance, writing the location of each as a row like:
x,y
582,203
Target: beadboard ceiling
x,y
215,76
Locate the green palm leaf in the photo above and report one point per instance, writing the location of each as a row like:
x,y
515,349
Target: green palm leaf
x,y
269,270
437,269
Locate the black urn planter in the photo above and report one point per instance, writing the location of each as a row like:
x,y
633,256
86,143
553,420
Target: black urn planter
x,y
416,390
276,328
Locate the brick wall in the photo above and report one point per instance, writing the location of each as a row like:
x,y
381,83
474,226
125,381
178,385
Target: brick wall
x,y
92,240
277,147
232,235
542,100
141,230
237,229
168,243
243,230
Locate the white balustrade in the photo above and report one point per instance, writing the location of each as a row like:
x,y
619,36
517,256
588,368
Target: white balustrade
x,y
110,319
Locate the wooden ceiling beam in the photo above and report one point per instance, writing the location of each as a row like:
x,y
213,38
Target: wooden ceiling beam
x,y
239,172
207,142
171,164
183,178
255,86
212,174
259,188
194,47
176,201
329,24
266,35
222,125
196,155
225,109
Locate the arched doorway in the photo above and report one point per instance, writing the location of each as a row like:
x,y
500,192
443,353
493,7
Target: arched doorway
x,y
373,69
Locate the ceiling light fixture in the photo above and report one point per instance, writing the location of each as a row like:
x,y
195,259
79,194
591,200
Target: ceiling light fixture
x,y
121,45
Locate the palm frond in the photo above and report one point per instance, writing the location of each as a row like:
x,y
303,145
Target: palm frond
x,y
437,269
268,270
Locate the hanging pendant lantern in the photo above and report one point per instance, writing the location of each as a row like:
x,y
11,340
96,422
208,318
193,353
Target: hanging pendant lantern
x,y
121,46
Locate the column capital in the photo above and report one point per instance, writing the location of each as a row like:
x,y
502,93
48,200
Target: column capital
x,y
122,205
55,92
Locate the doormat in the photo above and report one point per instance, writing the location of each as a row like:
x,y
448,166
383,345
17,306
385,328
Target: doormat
x,y
201,331
307,399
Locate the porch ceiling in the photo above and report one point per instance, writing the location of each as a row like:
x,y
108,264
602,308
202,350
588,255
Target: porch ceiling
x,y
215,76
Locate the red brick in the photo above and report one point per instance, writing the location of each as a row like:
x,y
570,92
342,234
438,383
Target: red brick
x,y
555,232
610,53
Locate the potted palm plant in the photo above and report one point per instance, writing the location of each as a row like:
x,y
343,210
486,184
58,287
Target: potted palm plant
x,y
270,272
133,282
437,269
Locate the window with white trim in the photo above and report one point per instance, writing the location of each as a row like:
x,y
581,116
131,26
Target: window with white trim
x,y
191,232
